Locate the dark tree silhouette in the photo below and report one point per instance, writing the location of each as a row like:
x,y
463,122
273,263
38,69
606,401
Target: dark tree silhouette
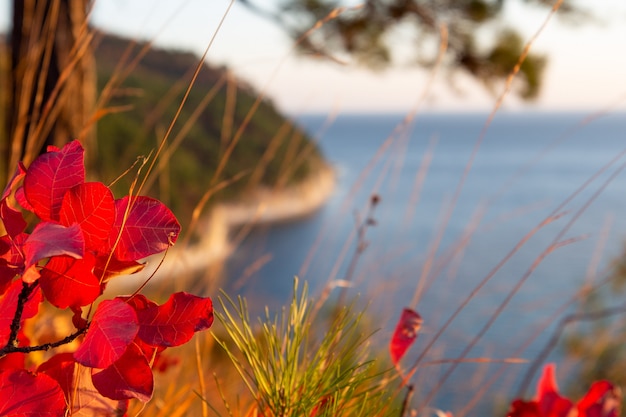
x,y
52,78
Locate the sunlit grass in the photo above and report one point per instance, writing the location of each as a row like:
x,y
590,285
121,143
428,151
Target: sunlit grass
x,y
293,366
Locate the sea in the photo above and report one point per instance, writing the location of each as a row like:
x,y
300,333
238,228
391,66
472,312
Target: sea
x,y
499,222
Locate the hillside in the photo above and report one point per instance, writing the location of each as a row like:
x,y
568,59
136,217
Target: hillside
x,y
271,151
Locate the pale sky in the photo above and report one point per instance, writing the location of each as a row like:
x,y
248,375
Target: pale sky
x,y
586,68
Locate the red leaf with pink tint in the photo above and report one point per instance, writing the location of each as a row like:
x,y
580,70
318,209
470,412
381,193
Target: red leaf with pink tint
x,y
128,377
405,334
50,176
68,282
25,394
91,205
8,306
150,228
551,403
113,328
175,322
52,239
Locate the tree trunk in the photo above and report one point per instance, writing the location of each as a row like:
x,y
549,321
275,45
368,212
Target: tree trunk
x,y
52,78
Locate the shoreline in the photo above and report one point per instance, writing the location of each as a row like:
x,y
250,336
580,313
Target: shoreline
x,y
265,206
262,207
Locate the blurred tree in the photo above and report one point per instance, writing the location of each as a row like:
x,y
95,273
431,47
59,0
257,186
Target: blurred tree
x,y
53,71
51,78
596,345
369,33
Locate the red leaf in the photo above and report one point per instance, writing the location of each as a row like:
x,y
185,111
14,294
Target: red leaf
x,y
113,328
77,317
164,362
602,400
138,302
12,220
20,197
405,334
8,306
85,399
106,268
521,408
7,273
52,239
11,259
16,360
68,282
150,228
61,368
92,206
551,403
50,176
11,250
17,175
141,302
25,394
128,377
175,322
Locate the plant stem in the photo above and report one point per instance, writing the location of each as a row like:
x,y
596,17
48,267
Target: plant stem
x,y
46,346
12,345
361,245
27,290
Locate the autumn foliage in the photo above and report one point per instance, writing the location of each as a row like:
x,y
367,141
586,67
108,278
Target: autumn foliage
x,y
82,237
602,400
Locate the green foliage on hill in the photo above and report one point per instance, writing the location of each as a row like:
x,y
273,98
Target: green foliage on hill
x,y
271,151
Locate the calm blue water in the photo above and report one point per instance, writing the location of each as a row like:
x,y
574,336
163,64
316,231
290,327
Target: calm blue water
x,y
556,156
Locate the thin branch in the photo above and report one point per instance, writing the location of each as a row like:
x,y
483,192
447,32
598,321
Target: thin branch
x,y
361,244
12,345
407,399
13,348
17,317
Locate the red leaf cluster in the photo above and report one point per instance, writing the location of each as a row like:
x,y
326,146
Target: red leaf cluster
x,y
83,238
602,400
